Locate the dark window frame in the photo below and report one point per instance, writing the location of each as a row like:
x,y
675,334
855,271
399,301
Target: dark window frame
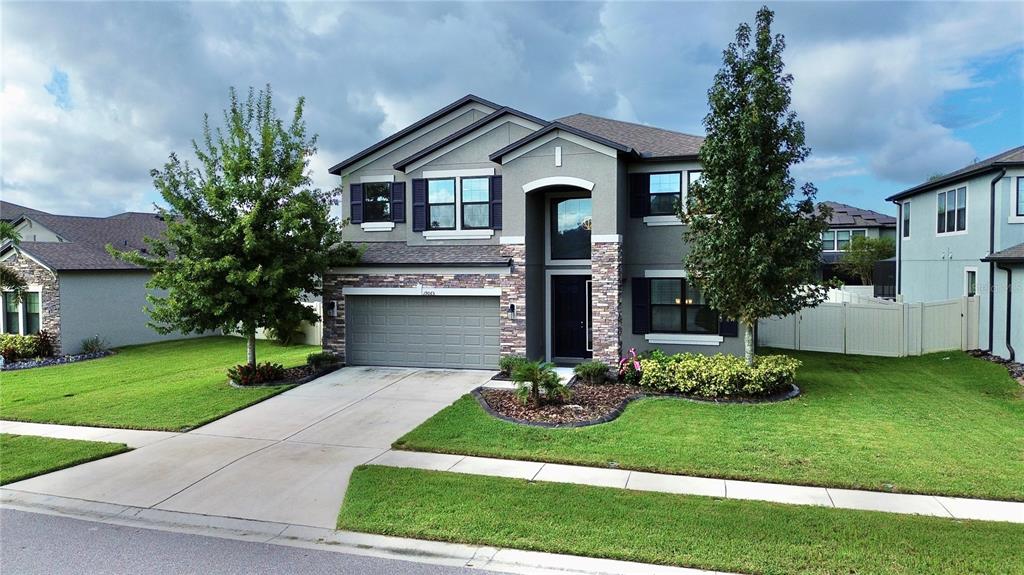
x,y
949,220
552,228
1019,210
650,194
906,220
367,203
683,307
463,203
453,204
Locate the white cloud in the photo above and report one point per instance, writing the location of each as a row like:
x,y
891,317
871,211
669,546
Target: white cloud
x,y
819,168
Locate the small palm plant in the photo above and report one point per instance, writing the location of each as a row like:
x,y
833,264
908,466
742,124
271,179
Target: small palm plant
x,y
536,381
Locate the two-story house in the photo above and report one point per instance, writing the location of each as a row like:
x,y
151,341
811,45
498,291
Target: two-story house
x,y
488,231
962,234
845,223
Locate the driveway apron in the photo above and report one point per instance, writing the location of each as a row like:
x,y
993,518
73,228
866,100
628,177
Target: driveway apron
x,y
286,459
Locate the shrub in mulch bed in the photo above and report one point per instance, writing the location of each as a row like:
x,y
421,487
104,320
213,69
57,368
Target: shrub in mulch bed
x,y
294,375
60,360
1016,369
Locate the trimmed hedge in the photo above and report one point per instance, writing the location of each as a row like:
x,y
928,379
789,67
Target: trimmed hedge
x,y
14,347
719,375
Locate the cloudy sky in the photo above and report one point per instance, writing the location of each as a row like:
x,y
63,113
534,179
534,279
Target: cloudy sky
x,y
94,95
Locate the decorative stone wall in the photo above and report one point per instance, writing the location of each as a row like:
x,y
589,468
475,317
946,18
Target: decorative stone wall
x,y
36,276
513,291
606,299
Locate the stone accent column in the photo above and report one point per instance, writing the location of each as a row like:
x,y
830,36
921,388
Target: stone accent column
x,y
513,291
606,299
48,284
334,327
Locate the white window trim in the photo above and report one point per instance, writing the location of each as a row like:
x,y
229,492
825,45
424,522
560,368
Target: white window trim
x,y
512,240
975,270
23,310
377,179
422,290
458,233
667,220
559,181
377,226
835,239
967,211
1015,193
683,339
906,217
664,273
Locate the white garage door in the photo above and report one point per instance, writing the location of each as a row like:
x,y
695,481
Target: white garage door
x,y
422,331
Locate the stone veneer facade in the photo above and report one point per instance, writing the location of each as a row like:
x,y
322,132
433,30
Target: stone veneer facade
x,y
606,300
512,284
48,284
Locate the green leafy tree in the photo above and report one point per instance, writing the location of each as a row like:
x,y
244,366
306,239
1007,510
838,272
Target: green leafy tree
x,y
246,235
754,240
10,281
859,260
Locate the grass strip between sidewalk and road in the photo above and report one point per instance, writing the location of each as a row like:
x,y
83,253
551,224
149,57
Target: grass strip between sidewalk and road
x,y
169,386
682,530
941,424
24,456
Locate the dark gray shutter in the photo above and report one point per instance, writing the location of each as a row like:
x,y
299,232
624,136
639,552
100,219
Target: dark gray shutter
x,y
728,328
641,305
398,202
496,202
355,198
419,205
639,202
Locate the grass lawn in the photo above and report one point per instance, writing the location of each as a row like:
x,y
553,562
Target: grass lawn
x,y
171,385
941,424
691,531
24,456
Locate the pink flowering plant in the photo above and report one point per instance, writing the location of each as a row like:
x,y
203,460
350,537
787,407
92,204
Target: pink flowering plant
x,y
630,369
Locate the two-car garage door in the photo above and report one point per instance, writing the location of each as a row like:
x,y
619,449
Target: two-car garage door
x,y
422,331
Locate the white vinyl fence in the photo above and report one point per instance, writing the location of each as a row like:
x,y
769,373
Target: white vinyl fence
x,y
876,328
313,334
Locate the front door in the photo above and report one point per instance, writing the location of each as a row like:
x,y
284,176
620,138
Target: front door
x,y
570,316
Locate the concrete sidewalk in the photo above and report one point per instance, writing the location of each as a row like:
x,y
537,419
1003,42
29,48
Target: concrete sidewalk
x,y
937,506
130,437
286,459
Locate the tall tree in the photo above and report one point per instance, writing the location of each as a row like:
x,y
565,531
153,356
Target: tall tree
x,y
10,281
859,260
246,235
754,241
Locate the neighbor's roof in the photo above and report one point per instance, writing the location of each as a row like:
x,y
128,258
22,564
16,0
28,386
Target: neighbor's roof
x,y
401,254
1013,254
648,141
337,168
10,212
847,216
1012,157
86,238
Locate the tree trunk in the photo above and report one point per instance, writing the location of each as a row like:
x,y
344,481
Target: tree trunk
x,y
536,394
250,351
748,342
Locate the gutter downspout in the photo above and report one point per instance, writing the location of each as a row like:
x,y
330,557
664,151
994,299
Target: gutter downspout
x,y
1009,307
992,250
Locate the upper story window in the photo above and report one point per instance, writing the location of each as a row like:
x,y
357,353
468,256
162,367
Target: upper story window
x,y
570,228
377,202
906,220
952,211
678,307
839,240
476,206
441,204
1020,196
666,192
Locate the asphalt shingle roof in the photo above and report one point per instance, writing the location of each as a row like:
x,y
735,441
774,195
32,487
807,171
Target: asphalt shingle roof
x,y
400,253
1014,156
86,238
648,141
1010,254
844,215
10,212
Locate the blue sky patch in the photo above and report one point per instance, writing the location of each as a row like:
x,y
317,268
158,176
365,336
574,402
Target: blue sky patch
x,y
60,89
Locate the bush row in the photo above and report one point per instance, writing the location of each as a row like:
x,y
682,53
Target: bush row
x,y
14,347
719,375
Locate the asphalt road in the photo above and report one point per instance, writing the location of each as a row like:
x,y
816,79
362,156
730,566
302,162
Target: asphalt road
x,y
32,543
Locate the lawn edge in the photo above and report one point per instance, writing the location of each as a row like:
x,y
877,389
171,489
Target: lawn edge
x,y
121,448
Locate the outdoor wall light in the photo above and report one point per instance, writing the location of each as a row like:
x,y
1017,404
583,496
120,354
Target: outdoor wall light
x,y
511,311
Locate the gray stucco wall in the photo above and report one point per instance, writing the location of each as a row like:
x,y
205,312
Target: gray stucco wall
x,y
108,304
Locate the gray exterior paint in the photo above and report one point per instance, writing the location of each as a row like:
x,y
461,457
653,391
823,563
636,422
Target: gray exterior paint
x,y
107,304
931,266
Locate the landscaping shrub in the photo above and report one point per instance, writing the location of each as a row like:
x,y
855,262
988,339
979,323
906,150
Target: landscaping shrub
x,y
630,368
322,359
94,344
246,374
537,382
45,346
508,363
719,375
14,347
592,372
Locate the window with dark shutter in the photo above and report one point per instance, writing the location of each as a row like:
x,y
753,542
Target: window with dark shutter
x,y
398,202
419,205
355,198
641,305
639,204
496,202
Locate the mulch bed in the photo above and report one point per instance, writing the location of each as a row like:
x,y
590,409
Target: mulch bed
x,y
59,360
296,375
1016,369
588,403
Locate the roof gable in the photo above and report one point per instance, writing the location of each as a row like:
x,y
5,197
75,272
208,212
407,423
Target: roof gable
x,y
552,127
1011,157
647,141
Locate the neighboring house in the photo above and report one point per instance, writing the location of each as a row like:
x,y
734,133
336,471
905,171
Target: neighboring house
x,y
962,234
846,223
76,290
489,231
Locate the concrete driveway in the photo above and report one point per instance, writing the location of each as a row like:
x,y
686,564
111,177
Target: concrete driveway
x,y
286,459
